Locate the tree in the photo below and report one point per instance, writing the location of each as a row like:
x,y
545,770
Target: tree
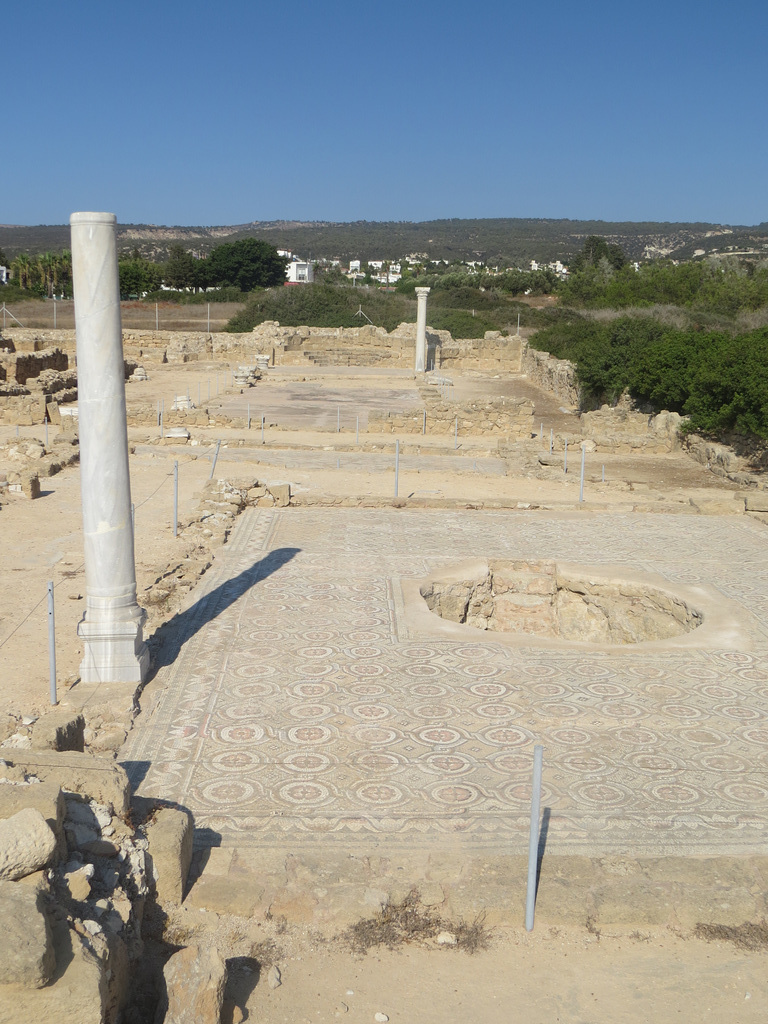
x,y
137,277
595,249
246,265
180,270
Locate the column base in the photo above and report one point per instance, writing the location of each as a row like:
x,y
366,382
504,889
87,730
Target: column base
x,y
115,652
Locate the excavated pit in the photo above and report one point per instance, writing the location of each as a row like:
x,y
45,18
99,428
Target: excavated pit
x,y
542,599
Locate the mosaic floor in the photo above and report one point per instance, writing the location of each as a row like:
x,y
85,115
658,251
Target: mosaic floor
x,y
302,704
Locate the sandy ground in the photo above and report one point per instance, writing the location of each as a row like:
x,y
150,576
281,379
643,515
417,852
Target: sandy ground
x,y
548,976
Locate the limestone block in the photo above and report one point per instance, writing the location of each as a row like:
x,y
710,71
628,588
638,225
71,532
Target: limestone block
x,y
195,979
45,797
170,838
281,493
26,943
95,777
757,502
27,844
30,485
59,730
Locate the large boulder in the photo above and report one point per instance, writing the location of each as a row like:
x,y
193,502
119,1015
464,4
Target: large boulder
x,y
59,730
195,979
26,944
27,844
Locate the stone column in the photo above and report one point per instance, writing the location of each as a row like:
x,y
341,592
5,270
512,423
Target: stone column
x,y
111,628
421,329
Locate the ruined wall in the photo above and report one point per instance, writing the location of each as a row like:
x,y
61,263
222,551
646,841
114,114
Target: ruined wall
x,y
555,375
508,416
493,353
622,429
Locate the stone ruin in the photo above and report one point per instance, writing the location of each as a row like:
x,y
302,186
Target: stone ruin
x,y
544,599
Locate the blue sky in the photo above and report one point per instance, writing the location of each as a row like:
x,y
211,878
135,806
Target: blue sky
x,y
205,113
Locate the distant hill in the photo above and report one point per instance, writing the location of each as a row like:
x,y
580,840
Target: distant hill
x,y
514,241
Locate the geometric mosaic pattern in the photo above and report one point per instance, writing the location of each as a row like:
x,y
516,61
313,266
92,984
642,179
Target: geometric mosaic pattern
x,y
301,707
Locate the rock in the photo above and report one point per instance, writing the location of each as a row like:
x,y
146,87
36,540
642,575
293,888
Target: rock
x,y
26,942
59,730
100,848
281,493
26,844
194,980
30,485
274,978
45,797
381,1018
446,939
95,777
79,882
170,838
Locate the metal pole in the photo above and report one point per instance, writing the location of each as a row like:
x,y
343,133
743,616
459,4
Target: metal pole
x,y
162,416
541,431
52,643
46,431
397,464
424,422
581,484
603,472
175,498
262,429
565,457
215,457
533,840
54,312
551,439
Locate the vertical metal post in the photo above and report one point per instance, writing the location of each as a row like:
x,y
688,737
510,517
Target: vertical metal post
x,y
175,498
533,840
162,417
262,429
51,644
551,439
603,472
397,464
424,422
581,484
541,431
565,457
158,412
46,430
248,417
54,312
215,457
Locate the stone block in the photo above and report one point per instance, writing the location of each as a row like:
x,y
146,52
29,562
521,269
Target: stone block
x,y
757,502
27,844
26,943
45,797
281,493
170,838
95,777
59,730
30,485
194,979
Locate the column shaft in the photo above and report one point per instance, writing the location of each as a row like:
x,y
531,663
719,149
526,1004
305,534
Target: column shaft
x,y
421,329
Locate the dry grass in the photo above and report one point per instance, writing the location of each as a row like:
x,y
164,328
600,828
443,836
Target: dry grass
x,y
409,923
171,316
749,936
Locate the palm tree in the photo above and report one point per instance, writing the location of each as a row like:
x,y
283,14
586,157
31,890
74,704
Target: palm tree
x,y
22,269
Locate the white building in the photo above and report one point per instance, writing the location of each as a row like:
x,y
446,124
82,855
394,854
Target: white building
x,y
299,272
354,266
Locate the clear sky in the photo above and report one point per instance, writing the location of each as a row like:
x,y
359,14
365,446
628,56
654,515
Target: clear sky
x,y
224,113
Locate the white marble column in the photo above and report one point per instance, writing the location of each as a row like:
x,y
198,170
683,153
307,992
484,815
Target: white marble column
x,y
112,626
421,329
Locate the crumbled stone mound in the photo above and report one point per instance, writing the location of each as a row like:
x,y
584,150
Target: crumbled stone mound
x,y
540,599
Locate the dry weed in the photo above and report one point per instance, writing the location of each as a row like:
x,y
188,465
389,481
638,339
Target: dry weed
x,y
749,935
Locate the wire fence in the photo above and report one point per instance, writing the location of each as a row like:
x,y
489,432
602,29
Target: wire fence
x,y
59,314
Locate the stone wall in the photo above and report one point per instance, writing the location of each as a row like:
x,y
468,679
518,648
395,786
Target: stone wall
x,y
622,429
494,353
555,375
512,417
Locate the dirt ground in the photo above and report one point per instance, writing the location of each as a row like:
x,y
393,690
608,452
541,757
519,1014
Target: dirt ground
x,y
548,976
